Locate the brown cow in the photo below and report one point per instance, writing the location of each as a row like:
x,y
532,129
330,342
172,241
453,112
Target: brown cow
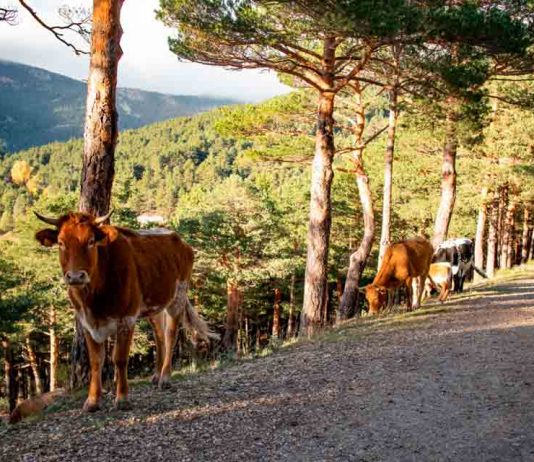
x,y
404,263
439,278
116,275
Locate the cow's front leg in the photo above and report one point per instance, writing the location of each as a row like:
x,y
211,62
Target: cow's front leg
x,y
121,352
96,359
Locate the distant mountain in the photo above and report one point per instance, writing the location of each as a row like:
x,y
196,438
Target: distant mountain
x,y
38,106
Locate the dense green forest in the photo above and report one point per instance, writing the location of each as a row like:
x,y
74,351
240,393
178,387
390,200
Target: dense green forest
x,y
234,183
38,106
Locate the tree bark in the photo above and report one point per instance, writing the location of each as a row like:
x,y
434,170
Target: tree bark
x,y
491,255
479,237
291,316
9,374
234,298
54,348
276,313
385,234
315,281
503,199
525,235
506,249
100,136
358,259
448,180
32,359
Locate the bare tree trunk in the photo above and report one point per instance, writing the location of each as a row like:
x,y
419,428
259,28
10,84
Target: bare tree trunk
x,y
32,359
232,316
385,235
100,136
315,281
291,315
448,171
525,235
503,199
276,313
506,249
9,374
491,255
529,244
54,348
359,258
479,237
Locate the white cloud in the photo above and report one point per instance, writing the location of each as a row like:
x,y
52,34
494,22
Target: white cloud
x,y
147,62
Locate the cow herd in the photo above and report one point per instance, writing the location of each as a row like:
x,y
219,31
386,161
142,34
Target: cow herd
x,y
116,275
414,266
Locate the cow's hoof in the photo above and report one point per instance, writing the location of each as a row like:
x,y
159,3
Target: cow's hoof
x,y
155,379
123,404
91,405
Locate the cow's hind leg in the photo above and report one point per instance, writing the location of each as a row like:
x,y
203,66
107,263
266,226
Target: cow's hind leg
x,y
157,321
409,294
173,315
121,353
96,359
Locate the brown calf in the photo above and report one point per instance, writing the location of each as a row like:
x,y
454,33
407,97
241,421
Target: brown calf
x,y
404,263
115,276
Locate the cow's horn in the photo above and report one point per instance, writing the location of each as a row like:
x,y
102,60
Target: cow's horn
x,y
50,221
103,219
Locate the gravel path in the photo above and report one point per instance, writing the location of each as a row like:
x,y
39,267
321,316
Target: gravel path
x,y
452,382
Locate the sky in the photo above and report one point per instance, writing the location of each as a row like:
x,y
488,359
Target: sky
x,y
146,63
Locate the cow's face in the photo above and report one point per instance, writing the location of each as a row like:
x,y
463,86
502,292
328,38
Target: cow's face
x,y
376,298
78,236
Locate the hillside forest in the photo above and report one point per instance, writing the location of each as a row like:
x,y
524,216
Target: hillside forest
x,y
401,125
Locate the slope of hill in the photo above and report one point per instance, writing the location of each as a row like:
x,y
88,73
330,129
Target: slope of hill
x,y
37,106
446,382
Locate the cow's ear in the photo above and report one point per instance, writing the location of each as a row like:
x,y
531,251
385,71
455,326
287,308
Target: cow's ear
x,y
47,237
106,234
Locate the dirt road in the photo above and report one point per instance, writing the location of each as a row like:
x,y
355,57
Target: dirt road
x,y
448,383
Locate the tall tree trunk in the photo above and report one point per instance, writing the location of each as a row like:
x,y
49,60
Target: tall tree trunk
x,y
9,374
54,348
359,258
448,172
525,235
32,359
276,313
315,281
385,234
506,249
232,316
503,199
100,136
291,315
529,244
479,237
491,256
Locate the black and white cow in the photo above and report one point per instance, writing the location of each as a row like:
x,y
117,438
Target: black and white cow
x,y
459,253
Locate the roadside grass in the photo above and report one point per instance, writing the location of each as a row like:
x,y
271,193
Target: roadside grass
x,y
359,328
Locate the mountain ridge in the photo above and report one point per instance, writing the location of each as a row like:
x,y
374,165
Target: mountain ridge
x,y
38,106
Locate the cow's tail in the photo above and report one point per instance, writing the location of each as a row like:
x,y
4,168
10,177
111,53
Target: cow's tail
x,y
479,271
190,318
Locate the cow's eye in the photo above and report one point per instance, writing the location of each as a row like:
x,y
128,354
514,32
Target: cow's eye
x,y
61,245
91,242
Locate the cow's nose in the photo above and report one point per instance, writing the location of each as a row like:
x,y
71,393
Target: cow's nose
x,y
76,278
